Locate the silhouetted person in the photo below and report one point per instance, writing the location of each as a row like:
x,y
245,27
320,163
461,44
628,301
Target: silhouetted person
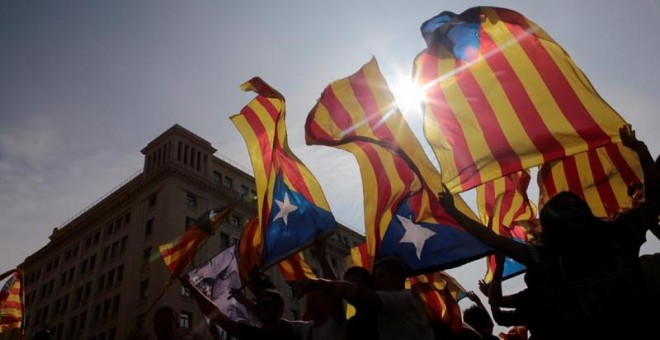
x,y
269,310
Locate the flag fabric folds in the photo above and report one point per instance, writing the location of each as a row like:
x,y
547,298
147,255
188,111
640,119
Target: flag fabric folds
x,y
502,95
360,257
601,177
292,208
402,215
505,208
295,268
11,302
216,279
249,249
440,294
179,253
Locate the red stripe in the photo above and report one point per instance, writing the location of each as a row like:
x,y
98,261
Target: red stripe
x,y
489,199
499,146
560,88
364,95
291,170
272,111
262,137
625,170
547,181
338,113
383,187
602,183
448,122
6,305
572,176
314,134
506,203
529,117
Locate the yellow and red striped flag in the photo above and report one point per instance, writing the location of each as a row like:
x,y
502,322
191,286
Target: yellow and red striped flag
x,y
11,302
439,293
503,205
360,257
402,214
295,268
179,253
601,177
249,249
292,208
502,95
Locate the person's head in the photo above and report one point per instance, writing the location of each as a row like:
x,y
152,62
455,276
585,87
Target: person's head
x,y
165,323
390,274
270,306
43,334
359,275
318,306
479,319
564,217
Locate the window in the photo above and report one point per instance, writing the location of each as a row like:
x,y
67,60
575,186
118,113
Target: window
x,y
189,221
149,227
191,200
217,177
109,228
184,291
124,242
253,194
235,221
115,305
151,201
120,273
224,240
127,218
144,289
83,316
185,320
244,190
228,182
146,253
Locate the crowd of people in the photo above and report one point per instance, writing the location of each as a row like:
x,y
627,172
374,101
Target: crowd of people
x,y
584,279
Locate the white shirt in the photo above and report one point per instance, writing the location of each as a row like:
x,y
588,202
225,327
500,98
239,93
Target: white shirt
x,y
403,317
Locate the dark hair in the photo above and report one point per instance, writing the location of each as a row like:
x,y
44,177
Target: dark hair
x,y
477,316
166,310
550,215
362,274
393,265
273,294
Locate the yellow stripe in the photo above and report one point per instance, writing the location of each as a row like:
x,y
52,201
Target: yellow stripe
x,y
458,103
325,122
532,82
604,115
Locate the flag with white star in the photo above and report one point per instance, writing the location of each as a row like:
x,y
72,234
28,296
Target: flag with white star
x,y
401,211
292,208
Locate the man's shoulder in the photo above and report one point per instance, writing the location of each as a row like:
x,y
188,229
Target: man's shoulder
x,y
187,334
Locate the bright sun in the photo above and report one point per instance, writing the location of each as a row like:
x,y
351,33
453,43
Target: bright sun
x,y
408,96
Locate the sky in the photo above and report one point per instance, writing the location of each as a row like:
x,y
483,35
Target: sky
x,y
85,85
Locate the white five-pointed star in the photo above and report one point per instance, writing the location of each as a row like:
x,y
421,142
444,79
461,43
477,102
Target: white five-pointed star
x,y
414,234
285,208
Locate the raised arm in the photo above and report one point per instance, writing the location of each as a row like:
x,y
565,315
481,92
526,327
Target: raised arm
x,y
651,206
357,295
495,298
209,308
515,250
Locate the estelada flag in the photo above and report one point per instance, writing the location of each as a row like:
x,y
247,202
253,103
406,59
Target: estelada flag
x,y
11,302
292,208
402,214
179,253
